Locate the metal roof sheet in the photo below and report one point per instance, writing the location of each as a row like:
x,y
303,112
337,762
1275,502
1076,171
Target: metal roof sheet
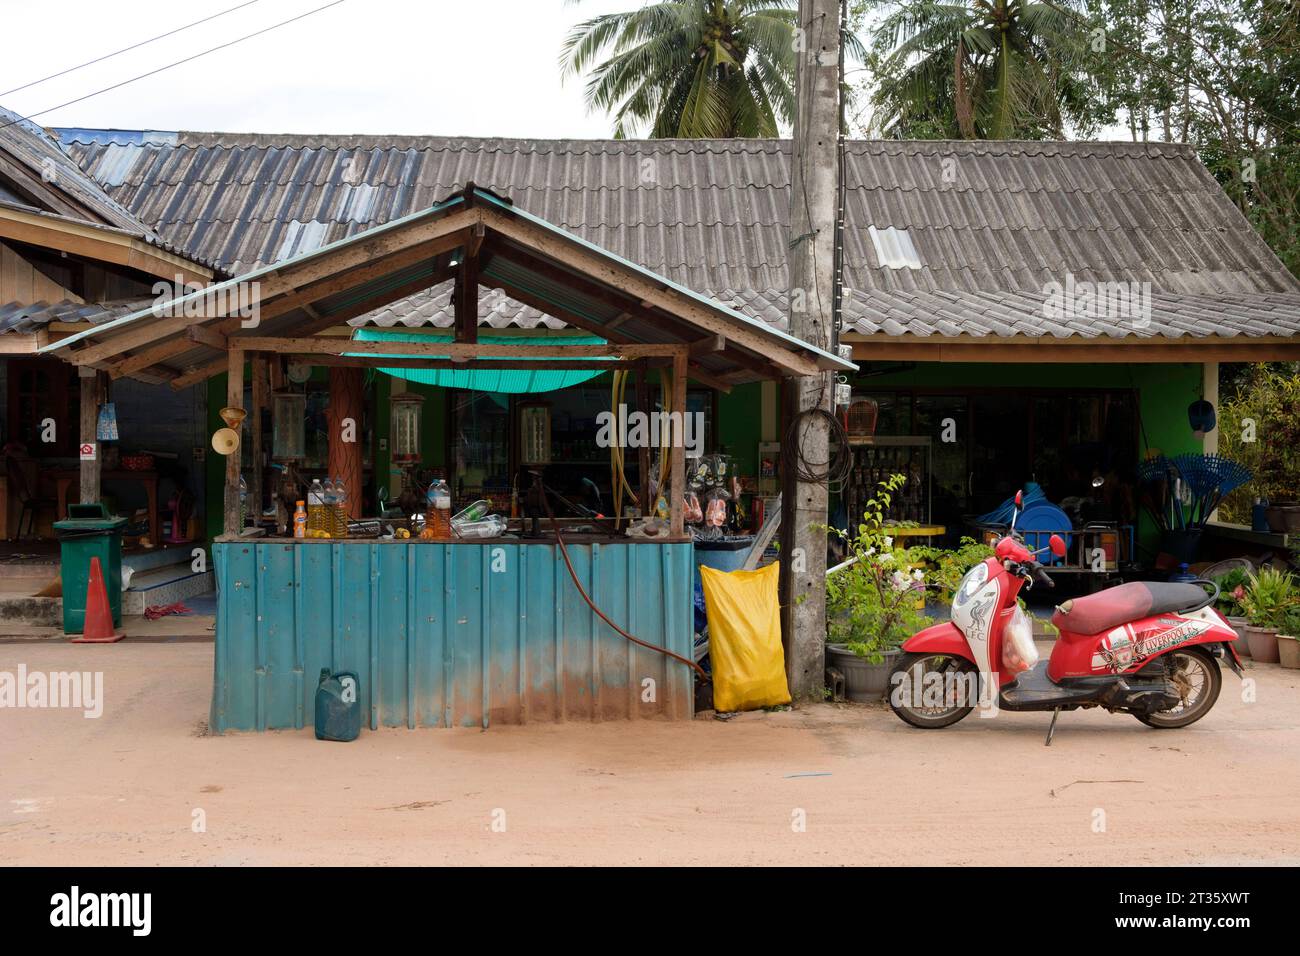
x,y
1002,219
49,165
527,259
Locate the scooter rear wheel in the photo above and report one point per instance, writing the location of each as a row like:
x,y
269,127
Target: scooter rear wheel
x,y
1197,677
908,693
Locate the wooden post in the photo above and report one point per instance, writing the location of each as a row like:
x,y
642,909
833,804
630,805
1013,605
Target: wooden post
x,y
466,292
261,387
234,399
677,485
91,383
345,417
813,204
1210,392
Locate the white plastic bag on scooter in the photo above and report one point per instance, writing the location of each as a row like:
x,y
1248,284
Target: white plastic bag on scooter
x,y
1019,653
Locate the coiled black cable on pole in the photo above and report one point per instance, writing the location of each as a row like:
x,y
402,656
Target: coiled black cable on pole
x,y
837,467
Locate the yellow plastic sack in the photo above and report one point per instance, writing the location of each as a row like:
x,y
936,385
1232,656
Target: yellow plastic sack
x,y
745,638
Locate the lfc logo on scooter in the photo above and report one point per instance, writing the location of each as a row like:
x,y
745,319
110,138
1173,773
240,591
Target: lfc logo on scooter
x,y
1115,652
1121,648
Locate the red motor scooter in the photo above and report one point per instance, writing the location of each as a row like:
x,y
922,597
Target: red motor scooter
x,y
1150,649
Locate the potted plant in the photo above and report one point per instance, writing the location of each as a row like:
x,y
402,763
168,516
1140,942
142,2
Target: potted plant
x,y
1269,596
1288,640
1232,588
872,603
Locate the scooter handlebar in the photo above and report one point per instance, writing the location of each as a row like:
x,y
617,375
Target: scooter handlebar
x,y
1034,573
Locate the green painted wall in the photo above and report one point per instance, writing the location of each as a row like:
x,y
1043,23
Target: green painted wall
x,y
740,425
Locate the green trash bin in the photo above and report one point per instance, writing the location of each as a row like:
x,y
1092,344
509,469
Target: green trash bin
x,y
89,531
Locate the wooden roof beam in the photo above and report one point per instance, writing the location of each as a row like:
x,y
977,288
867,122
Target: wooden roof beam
x,y
292,289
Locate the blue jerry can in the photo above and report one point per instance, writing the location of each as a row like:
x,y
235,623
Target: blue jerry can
x,y
338,711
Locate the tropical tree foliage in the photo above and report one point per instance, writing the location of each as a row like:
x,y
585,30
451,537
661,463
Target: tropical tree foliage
x,y
995,69
691,68
1223,75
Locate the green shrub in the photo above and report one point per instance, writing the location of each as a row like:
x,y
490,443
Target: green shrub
x,y
1269,597
1232,588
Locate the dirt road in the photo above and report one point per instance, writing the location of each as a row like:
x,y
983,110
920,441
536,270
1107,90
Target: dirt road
x,y
132,786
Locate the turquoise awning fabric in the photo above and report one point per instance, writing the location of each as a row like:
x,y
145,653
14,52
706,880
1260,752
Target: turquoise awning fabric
x,y
487,380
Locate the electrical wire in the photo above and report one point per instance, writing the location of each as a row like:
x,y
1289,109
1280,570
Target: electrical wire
x,y
835,470
188,59
127,49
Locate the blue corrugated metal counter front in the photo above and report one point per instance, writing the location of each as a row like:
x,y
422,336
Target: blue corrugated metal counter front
x,y
446,635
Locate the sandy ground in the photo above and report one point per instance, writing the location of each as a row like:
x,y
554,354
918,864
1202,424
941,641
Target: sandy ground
x,y
127,788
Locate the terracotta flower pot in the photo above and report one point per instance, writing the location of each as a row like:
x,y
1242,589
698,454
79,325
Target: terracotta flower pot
x,y
1263,643
1288,651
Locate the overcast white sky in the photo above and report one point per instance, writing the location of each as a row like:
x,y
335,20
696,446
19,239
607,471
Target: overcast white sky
x,y
451,67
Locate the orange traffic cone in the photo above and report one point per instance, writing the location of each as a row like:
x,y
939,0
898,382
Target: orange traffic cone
x,y
98,628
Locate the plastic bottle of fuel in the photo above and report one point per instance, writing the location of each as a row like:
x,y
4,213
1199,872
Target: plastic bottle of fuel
x,y
315,505
438,514
328,512
340,512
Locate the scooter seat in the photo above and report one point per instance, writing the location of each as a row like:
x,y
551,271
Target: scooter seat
x,y
1112,607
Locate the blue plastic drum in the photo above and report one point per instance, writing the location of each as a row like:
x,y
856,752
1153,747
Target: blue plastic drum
x,y
1038,523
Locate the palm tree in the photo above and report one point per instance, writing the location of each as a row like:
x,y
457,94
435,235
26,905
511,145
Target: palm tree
x,y
981,69
691,68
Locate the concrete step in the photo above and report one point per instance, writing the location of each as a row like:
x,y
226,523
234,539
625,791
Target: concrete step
x,y
24,572
147,560
165,585
25,610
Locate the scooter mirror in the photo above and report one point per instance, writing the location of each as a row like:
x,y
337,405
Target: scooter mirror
x,y
1057,544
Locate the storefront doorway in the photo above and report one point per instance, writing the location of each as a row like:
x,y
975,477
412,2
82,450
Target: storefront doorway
x,y
988,442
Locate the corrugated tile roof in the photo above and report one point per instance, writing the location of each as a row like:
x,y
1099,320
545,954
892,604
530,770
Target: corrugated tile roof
x,y
81,198
29,317
992,223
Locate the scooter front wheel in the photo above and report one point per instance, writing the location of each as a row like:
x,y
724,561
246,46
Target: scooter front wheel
x,y
933,690
1197,677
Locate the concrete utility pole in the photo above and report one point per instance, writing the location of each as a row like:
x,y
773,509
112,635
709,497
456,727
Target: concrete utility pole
x,y
814,181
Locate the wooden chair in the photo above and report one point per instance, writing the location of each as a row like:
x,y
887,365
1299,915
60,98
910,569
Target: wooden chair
x,y
30,503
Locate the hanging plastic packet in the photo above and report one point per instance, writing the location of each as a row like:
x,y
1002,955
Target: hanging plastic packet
x,y
1019,653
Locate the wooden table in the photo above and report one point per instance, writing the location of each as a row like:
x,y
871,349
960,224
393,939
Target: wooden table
x,y
66,478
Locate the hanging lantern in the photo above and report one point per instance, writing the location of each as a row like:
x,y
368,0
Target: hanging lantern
x,y
407,409
535,428
288,426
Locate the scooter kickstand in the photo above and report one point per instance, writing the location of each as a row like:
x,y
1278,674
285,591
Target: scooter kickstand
x,y
1051,728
